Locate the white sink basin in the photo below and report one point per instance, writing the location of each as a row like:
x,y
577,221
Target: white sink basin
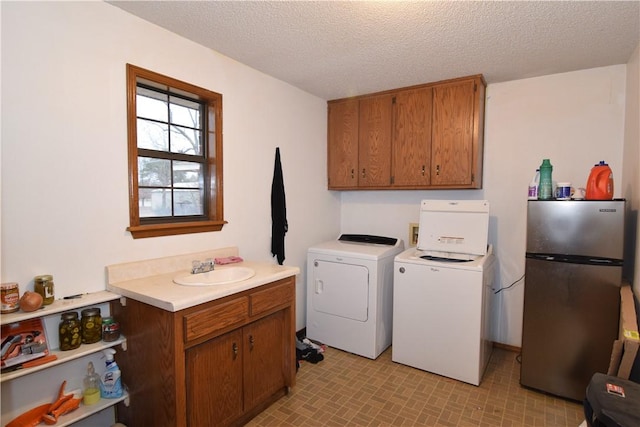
x,y
220,276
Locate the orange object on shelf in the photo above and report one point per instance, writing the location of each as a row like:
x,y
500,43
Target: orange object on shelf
x,y
600,183
30,418
49,412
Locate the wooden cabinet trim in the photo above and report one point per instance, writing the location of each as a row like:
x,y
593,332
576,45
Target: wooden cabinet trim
x,y
479,77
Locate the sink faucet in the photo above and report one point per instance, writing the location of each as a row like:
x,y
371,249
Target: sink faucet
x,y
201,267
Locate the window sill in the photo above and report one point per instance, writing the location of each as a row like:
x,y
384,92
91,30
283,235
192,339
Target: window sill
x,y
156,230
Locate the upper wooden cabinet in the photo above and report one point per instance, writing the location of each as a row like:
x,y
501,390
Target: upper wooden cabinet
x,y
374,142
343,146
411,153
421,137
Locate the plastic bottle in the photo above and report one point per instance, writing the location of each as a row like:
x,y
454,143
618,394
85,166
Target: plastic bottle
x,y
91,392
533,186
110,382
600,182
545,191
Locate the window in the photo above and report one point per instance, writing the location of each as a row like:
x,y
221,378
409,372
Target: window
x,y
175,156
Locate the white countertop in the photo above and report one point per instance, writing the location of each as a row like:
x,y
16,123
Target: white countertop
x,y
160,290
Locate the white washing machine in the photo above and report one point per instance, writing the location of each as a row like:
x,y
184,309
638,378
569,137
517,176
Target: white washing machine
x,y
443,292
350,291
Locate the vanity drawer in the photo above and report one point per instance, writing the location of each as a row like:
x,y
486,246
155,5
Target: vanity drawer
x,y
215,318
280,294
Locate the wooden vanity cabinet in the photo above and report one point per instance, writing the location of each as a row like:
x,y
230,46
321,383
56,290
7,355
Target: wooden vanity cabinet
x,y
422,137
219,363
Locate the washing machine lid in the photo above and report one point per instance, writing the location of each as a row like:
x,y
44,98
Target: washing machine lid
x,y
476,263
453,228
364,247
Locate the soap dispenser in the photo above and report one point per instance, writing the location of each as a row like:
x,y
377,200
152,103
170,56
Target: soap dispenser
x,y
91,392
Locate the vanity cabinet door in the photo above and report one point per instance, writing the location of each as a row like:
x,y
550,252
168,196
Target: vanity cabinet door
x,y
264,358
214,380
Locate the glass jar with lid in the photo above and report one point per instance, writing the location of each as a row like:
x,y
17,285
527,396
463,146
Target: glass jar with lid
x,y
91,325
44,286
110,329
70,331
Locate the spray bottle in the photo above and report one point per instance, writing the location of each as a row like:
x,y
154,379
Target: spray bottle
x,y
110,382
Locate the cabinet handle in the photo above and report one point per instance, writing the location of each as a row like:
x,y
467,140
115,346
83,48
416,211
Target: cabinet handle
x,y
437,170
363,172
235,351
422,170
353,173
251,341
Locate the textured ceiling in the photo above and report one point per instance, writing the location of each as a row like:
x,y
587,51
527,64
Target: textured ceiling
x,y
335,49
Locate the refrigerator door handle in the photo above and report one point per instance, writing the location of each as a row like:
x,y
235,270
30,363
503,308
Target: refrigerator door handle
x,y
575,259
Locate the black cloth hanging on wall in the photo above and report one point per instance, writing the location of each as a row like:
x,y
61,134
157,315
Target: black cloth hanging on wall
x,y
279,225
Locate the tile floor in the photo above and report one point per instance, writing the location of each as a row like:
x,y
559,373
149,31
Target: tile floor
x,y
349,390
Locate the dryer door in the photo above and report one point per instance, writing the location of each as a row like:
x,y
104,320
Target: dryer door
x,y
340,289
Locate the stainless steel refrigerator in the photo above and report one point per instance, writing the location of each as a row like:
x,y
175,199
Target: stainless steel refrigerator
x,y
573,276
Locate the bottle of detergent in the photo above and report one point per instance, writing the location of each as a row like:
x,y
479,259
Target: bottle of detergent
x,y
110,382
533,186
600,183
545,190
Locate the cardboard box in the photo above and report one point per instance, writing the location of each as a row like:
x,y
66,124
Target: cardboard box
x,y
625,349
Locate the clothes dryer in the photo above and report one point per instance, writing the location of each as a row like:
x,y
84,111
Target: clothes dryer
x,y
350,291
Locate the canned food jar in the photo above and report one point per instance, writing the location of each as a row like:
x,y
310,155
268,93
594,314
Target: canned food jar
x,y
10,296
44,286
91,325
70,331
110,329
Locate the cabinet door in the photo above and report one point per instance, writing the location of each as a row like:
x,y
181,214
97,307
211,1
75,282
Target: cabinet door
x,y
411,155
374,157
264,358
342,153
214,380
453,134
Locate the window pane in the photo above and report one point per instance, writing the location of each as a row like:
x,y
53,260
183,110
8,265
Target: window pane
x,y
154,172
154,202
185,112
187,202
187,174
151,105
186,141
152,135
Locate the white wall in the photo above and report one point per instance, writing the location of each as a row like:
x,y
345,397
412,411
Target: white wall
x,y
631,172
575,119
64,147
